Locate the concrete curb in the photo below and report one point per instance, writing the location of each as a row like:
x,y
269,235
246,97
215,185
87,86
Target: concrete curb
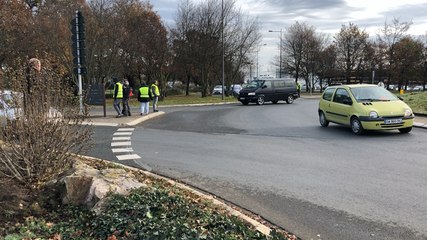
x,y
256,224
420,125
144,118
122,122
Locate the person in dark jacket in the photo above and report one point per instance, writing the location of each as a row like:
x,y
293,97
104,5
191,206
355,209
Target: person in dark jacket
x,y
144,96
125,101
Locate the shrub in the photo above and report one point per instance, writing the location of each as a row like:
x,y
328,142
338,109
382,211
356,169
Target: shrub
x,y
37,145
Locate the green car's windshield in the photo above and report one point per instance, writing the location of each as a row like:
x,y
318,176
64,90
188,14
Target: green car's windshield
x,y
254,84
372,94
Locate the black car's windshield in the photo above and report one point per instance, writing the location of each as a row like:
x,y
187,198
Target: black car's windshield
x,y
372,94
254,84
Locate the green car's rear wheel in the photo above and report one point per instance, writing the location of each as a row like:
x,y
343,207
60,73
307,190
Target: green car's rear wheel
x,y
322,120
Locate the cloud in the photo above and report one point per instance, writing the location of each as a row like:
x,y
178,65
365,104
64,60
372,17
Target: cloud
x,y
326,16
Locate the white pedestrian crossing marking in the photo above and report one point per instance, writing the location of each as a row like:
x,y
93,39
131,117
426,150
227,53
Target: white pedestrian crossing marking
x,y
122,150
117,144
128,157
122,134
125,129
121,144
121,138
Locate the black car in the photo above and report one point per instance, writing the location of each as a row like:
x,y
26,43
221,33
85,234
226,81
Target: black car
x,y
269,90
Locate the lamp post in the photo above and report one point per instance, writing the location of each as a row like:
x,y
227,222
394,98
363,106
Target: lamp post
x,y
257,65
222,43
280,52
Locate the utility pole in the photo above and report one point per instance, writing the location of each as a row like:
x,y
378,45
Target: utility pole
x,y
79,54
222,42
280,52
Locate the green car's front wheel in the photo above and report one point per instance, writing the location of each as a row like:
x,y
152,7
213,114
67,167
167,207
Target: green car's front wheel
x,y
356,126
405,130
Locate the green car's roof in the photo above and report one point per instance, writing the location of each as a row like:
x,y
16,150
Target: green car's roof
x,y
348,86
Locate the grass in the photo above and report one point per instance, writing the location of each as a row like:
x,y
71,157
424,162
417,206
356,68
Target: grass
x,y
194,98
417,101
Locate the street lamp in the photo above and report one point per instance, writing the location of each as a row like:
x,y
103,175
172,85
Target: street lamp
x,y
257,65
222,43
280,52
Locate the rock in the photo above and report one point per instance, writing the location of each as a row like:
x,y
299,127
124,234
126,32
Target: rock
x,y
77,189
88,186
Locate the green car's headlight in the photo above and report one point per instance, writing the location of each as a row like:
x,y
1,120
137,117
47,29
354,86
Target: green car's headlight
x,y
408,112
251,94
373,114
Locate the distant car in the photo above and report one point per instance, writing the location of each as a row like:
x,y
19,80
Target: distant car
x,y
218,90
364,107
235,89
417,88
8,109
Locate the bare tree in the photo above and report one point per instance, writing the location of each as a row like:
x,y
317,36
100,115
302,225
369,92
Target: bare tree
x,y
197,41
301,47
388,36
351,45
327,64
409,61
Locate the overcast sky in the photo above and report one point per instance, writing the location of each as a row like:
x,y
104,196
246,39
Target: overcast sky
x,y
326,15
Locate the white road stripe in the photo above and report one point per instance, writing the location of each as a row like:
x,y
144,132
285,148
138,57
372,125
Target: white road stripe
x,y
116,144
125,129
128,157
121,138
122,134
121,150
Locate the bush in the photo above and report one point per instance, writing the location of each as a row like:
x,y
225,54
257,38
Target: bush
x,y
146,213
37,146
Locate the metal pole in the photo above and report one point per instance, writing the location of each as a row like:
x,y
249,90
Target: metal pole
x,y
222,41
280,57
257,64
79,71
280,52
373,76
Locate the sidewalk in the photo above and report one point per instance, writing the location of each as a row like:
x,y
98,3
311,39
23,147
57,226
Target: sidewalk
x,y
420,121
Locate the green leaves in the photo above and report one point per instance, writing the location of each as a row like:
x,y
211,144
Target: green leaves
x,y
144,214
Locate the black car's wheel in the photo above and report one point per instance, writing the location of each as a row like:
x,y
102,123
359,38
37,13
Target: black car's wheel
x,y
245,102
405,130
275,101
290,99
356,126
260,100
322,119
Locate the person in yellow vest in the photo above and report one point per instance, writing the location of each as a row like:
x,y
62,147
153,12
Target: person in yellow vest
x,y
144,97
118,96
299,89
156,93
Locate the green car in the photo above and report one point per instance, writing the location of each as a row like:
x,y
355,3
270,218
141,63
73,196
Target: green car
x,y
364,107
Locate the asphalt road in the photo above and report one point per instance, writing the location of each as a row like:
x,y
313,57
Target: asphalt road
x,y
276,161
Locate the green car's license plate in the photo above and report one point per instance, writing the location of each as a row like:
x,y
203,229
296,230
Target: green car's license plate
x,y
393,121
